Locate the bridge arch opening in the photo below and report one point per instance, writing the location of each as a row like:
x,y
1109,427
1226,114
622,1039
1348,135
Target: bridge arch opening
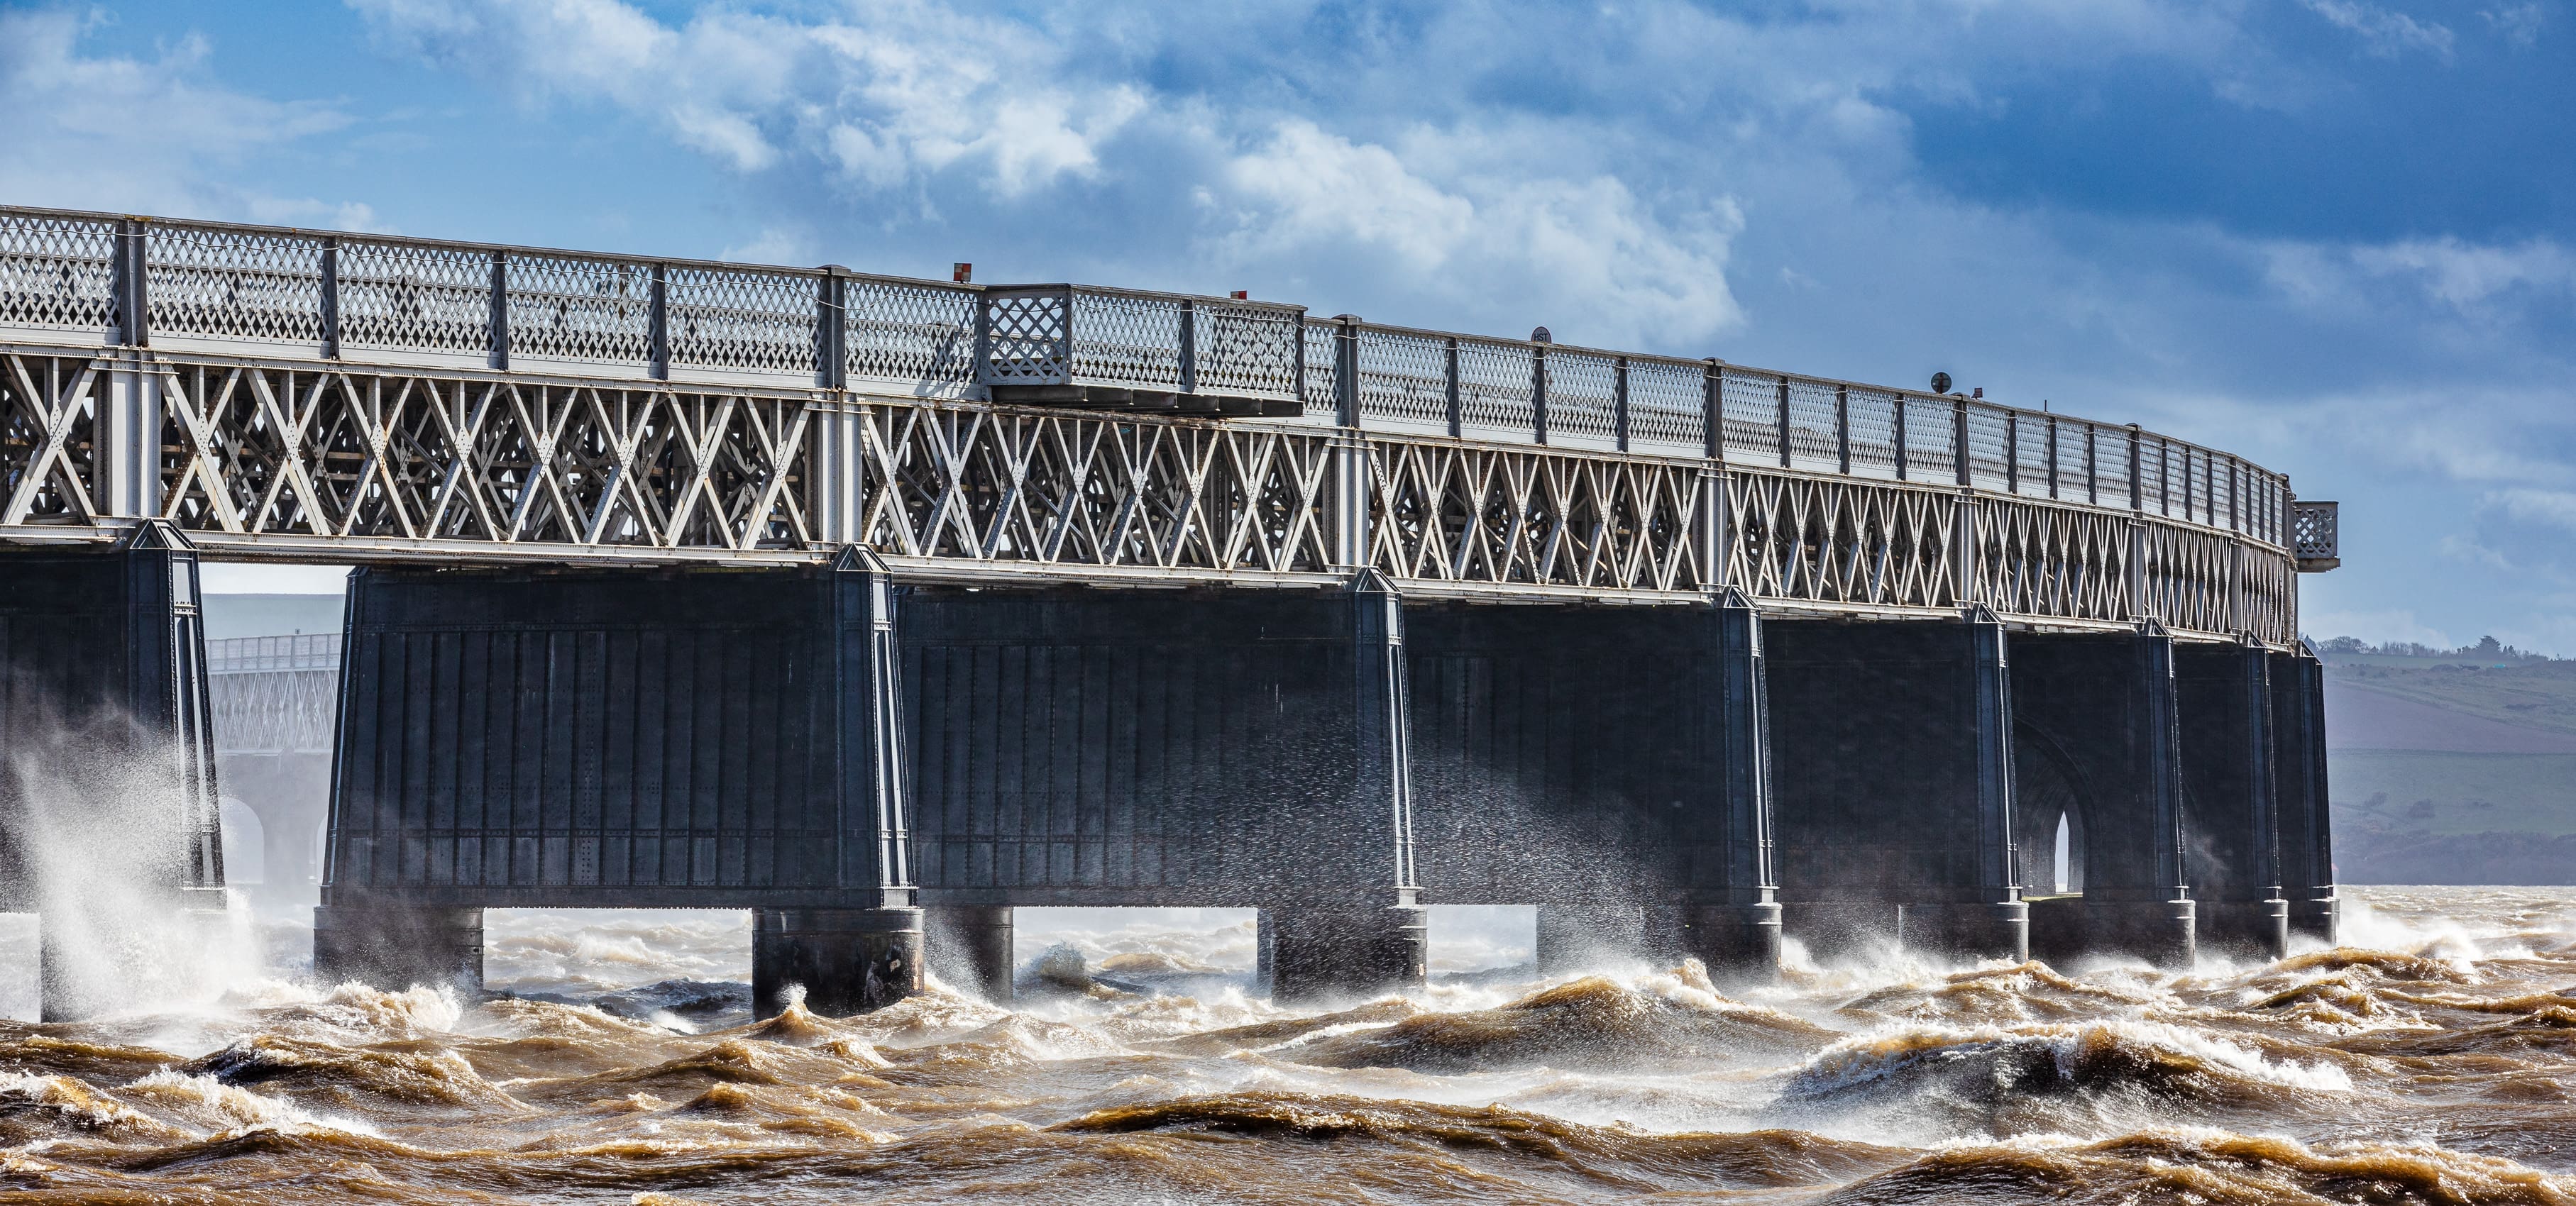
x,y
2050,806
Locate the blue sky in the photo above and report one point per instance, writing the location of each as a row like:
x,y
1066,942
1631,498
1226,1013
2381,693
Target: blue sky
x,y
2335,235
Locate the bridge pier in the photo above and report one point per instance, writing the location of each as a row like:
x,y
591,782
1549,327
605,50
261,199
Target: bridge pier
x,y
1607,764
2097,742
107,773
970,946
577,739
2232,820
2298,723
1213,748
395,947
1892,748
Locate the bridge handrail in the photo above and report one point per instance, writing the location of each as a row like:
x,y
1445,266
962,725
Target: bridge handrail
x,y
303,651
490,304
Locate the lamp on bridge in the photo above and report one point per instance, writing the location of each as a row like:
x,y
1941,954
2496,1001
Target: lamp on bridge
x,y
1540,335
1940,383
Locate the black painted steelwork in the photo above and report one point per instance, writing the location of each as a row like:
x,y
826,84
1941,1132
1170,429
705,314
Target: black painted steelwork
x,y
1209,748
1607,764
1892,749
104,701
704,739
2231,810
2299,786
2094,742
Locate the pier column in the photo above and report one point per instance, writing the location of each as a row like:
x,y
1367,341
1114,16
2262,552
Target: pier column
x,y
2231,829
970,947
864,951
394,947
844,961
1892,748
2299,783
1726,912
2097,742
1372,934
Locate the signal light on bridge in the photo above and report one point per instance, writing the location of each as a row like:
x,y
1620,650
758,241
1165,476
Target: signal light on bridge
x,y
961,273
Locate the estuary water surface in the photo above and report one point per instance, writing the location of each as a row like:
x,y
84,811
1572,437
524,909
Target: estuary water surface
x,y
2428,1061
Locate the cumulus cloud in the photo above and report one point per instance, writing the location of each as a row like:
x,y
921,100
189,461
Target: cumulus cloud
x,y
152,134
2385,33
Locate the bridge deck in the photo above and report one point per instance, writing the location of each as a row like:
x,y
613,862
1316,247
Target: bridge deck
x,y
306,396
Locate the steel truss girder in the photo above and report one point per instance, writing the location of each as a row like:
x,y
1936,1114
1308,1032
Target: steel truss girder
x,y
331,461
1447,511
275,711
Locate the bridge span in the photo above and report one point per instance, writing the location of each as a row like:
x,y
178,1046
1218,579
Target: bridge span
x,y
839,597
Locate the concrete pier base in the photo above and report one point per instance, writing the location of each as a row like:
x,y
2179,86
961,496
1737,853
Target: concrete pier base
x,y
2318,917
970,948
1314,954
2259,928
394,948
1572,937
1974,930
847,960
2163,932
1738,943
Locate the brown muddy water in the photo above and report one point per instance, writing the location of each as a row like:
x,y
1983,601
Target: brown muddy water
x,y
2429,1061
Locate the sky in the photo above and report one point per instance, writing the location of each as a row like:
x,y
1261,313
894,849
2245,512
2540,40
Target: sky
x,y
2335,236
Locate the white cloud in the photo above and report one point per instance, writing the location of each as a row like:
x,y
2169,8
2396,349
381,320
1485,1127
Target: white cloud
x,y
2554,508
2384,32
2519,23
139,135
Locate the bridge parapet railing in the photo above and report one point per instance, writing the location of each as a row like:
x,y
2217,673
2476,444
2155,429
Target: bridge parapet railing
x,y
356,299
263,654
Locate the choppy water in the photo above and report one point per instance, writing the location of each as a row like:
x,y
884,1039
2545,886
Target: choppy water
x,y
2427,1062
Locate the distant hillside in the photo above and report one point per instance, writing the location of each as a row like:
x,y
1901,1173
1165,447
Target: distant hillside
x,y
2452,767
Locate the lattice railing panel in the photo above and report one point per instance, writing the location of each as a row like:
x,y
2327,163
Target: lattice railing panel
x,y
2053,561
1127,339
722,318
1668,406
1750,409
50,457
415,298
1827,540
1404,377
226,283
2072,471
1497,385
1873,432
58,272
924,334
1320,344
1990,439
1582,396
563,308
2030,444
2111,467
1246,350
1450,513
1931,440
266,451
1067,490
1813,443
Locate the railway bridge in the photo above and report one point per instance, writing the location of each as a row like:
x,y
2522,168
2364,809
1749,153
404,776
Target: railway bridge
x,y
881,606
